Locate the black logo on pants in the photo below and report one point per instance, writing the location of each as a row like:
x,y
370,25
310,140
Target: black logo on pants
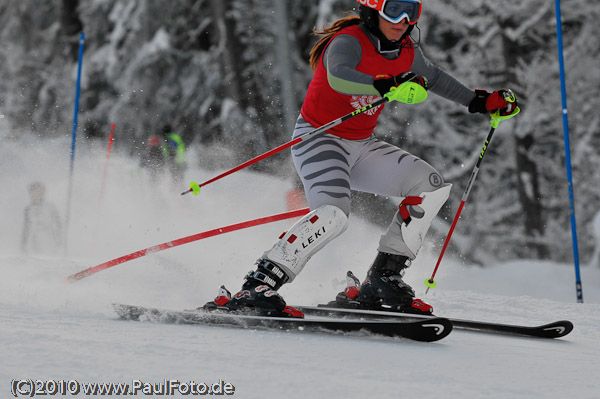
x,y
435,180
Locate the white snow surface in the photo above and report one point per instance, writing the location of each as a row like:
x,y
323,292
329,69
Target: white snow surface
x,y
53,330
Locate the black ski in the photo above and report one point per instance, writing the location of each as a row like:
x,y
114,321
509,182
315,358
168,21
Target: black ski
x,y
429,330
556,329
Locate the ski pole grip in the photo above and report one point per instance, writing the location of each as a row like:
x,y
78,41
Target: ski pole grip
x,y
510,111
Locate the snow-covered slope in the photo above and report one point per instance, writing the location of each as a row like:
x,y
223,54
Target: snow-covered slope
x,y
53,330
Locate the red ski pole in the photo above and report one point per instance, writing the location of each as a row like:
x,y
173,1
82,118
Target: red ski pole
x,y
195,187
497,117
430,282
185,240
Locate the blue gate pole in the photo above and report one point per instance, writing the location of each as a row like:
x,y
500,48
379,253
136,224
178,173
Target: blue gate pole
x,y
563,88
73,140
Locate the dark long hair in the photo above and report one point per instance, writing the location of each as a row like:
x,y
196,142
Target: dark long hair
x,y
326,35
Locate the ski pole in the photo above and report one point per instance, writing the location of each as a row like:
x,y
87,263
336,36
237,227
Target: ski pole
x,y
408,92
185,240
565,117
195,187
73,142
495,122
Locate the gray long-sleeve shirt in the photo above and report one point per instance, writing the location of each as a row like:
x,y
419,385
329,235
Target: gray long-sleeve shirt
x,y
344,53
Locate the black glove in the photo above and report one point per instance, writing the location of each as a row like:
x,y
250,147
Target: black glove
x,y
486,103
384,83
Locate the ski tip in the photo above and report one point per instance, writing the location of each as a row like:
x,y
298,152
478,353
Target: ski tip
x,y
558,329
432,329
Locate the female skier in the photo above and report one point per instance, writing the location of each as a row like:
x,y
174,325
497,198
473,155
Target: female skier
x,y
357,60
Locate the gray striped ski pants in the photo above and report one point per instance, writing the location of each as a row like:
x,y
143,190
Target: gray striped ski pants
x,y
330,167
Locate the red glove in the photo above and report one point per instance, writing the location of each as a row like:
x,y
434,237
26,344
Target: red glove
x,y
486,103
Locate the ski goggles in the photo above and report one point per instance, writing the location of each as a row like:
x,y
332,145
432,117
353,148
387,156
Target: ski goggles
x,y
395,11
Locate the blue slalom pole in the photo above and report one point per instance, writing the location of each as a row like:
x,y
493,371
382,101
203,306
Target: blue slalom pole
x,y
74,137
563,89
76,112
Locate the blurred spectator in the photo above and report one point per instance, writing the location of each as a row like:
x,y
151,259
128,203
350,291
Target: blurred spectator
x,y
174,152
42,229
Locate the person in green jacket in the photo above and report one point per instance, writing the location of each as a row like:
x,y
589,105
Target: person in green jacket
x,y
174,152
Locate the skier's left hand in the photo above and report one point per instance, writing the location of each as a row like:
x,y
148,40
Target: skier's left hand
x,y
503,102
385,83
